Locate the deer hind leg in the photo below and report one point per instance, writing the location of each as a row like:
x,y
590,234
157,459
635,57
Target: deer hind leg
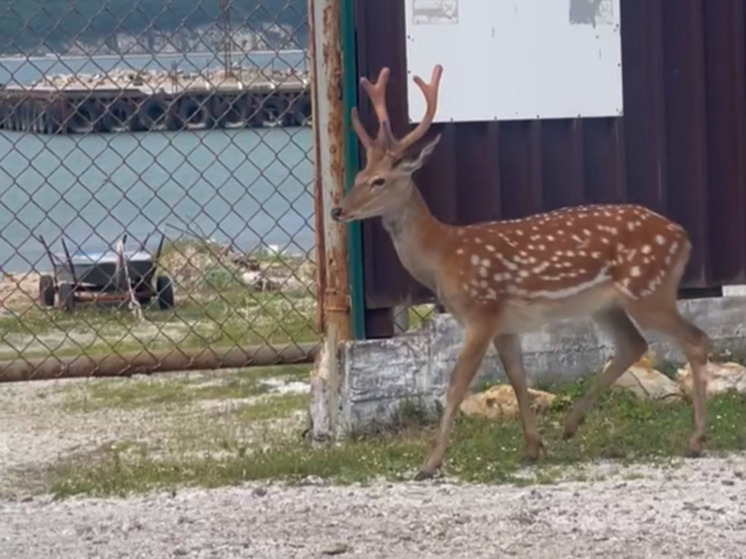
x,y
693,343
476,343
629,346
508,347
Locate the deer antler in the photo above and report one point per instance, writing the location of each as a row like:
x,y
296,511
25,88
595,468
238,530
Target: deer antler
x,y
385,139
377,94
430,91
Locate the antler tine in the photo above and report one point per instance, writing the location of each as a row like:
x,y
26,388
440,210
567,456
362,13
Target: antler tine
x,y
365,138
377,94
430,91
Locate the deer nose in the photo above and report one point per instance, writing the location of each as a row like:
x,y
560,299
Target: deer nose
x,y
336,213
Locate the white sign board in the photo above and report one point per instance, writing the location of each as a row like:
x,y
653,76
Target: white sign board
x,y
516,59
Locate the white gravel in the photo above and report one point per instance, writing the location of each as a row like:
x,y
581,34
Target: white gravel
x,y
36,430
696,510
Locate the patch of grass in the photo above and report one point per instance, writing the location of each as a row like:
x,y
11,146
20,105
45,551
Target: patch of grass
x,y
620,428
420,314
275,407
227,317
214,307
138,393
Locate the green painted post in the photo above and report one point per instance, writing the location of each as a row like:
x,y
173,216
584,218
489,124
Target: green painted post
x,y
352,166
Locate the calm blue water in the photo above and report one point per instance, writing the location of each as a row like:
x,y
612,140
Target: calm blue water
x,y
250,187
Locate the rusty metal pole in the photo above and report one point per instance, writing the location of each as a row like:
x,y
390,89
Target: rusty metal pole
x,y
329,176
150,362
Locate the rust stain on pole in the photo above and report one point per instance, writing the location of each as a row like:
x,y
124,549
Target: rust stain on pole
x,y
150,362
337,302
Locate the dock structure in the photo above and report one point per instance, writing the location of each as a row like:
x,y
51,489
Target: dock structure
x,y
135,101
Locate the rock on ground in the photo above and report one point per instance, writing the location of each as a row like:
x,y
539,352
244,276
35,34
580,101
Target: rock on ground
x,y
499,401
697,510
721,378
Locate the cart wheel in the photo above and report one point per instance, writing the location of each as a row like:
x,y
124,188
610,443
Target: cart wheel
x,y
165,290
67,296
46,291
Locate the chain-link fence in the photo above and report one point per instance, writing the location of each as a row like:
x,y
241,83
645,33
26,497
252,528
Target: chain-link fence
x,y
156,181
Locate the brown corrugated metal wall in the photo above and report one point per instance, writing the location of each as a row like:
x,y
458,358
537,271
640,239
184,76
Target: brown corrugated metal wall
x,y
678,149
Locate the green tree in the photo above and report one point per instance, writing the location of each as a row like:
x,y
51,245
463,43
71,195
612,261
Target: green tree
x,y
28,25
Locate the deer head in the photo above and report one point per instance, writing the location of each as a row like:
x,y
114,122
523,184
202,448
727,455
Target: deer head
x,y
384,185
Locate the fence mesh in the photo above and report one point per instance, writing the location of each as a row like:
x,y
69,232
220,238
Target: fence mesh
x,y
157,175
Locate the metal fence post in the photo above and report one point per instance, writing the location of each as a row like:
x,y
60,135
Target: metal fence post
x,y
329,176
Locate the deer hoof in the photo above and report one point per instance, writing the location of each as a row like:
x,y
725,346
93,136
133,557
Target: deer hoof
x,y
423,475
571,427
569,433
694,449
533,453
529,459
693,453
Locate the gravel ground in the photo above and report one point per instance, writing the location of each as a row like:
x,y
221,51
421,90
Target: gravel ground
x,y
696,510
36,430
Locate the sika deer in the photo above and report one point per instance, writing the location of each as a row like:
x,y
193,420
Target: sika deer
x,y
613,262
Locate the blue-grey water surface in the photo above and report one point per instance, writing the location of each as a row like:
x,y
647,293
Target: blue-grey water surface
x,y
250,186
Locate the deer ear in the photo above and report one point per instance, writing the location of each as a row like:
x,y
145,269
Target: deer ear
x,y
411,166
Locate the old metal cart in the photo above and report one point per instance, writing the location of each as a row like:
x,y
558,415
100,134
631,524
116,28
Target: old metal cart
x,y
104,277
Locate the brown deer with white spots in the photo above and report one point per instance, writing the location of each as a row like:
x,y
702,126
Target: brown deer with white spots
x,y
614,262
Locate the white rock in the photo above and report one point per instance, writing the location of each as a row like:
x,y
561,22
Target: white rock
x,y
500,402
721,377
647,382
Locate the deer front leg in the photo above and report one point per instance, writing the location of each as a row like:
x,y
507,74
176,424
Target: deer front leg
x,y
476,342
508,347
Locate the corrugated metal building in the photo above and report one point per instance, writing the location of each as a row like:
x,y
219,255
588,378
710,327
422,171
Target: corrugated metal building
x,y
679,148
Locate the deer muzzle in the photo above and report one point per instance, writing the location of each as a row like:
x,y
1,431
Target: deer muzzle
x,y
340,215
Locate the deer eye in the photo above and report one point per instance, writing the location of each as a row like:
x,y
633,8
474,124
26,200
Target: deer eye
x,y
378,182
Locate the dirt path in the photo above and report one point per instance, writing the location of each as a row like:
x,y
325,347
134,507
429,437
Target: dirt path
x,y
697,510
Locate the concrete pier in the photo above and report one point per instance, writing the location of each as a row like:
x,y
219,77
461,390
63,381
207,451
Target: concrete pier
x,y
136,102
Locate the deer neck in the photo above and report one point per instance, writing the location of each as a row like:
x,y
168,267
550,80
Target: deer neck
x,y
414,232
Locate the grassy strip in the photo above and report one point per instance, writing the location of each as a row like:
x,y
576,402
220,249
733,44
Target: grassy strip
x,y
145,393
620,428
214,307
232,317
237,310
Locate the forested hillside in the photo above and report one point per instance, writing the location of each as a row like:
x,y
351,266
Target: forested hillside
x,y
40,26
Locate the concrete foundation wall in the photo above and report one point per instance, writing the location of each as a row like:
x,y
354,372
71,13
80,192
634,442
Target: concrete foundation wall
x,y
377,376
